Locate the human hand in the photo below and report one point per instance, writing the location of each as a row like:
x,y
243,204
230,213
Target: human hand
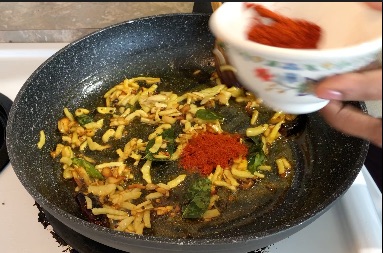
x,y
375,5
361,86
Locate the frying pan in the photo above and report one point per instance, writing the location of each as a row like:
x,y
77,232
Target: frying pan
x,y
80,73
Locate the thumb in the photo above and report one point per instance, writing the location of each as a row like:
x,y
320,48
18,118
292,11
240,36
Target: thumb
x,y
356,86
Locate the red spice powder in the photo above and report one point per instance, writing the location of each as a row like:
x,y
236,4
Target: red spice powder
x,y
282,31
207,150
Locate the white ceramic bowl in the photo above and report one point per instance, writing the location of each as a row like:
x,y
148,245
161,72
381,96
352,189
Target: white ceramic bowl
x,y
351,39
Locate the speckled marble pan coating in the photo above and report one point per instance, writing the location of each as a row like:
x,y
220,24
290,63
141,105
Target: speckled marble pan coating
x,y
79,73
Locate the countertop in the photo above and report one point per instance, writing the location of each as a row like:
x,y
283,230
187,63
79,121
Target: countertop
x,y
40,22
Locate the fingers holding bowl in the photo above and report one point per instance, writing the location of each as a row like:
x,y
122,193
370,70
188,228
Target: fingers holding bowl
x,y
352,86
375,5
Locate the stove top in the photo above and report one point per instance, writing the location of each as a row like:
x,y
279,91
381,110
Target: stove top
x,y
5,106
353,224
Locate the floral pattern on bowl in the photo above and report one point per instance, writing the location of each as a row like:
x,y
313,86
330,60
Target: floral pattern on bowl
x,y
281,76
324,66
286,81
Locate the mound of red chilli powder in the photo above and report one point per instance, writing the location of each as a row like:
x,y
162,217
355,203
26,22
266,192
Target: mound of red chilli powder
x,y
205,151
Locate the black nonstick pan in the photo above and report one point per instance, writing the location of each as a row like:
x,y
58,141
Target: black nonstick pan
x,y
175,44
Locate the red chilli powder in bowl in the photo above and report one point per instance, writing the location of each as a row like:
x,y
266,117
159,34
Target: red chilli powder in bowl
x,y
282,31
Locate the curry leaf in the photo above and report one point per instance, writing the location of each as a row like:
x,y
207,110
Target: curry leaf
x,y
198,196
131,107
256,156
168,137
84,119
256,145
168,134
149,146
207,115
89,168
254,161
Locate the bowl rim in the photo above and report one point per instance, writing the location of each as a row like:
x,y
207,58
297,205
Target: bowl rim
x,y
357,50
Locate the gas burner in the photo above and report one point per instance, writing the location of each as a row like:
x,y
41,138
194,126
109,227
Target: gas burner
x,y
65,236
78,243
5,106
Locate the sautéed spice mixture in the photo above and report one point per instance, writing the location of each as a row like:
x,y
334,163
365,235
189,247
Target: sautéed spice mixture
x,y
153,160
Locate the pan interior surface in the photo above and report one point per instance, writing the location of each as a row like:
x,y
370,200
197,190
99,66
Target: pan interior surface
x,y
171,47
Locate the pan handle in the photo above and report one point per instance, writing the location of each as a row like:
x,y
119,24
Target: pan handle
x,y
202,7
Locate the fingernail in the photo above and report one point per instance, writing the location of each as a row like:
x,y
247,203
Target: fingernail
x,y
333,94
